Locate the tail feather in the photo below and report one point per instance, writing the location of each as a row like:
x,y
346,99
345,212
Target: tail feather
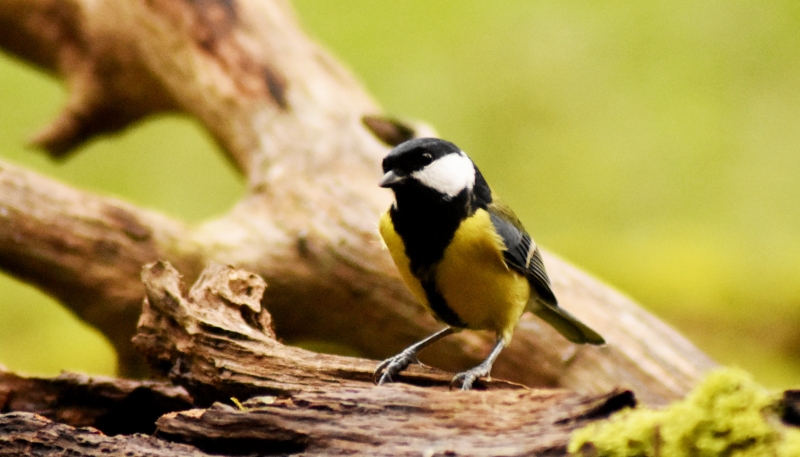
x,y
567,324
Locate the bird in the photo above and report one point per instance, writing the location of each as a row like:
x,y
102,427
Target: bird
x,y
463,254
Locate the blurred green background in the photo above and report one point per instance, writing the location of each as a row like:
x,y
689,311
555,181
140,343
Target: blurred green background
x,y
656,144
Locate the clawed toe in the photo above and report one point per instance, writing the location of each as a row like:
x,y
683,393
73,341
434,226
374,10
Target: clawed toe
x,y
393,366
378,375
467,378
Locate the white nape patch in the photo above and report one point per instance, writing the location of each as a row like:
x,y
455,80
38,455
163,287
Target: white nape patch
x,y
449,174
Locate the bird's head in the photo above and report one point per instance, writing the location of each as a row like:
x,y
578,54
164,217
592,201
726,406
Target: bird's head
x,y
429,163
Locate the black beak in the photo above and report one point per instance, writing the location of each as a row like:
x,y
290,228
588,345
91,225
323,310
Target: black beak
x,y
391,178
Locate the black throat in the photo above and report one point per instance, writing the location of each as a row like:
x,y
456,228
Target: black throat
x,y
426,221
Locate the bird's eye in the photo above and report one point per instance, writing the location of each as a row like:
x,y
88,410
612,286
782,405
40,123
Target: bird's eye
x,y
426,159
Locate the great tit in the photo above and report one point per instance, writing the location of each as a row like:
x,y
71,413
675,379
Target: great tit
x,y
463,254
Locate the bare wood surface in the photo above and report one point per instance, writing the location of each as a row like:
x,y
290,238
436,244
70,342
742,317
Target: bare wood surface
x,y
406,421
290,118
81,248
32,435
215,341
111,405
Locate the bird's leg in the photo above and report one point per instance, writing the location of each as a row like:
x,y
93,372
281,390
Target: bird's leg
x,y
468,377
394,365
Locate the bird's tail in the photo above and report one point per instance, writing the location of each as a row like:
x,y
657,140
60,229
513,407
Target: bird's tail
x,y
566,324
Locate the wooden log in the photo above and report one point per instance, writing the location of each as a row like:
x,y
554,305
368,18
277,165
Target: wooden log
x,y
110,405
290,119
32,435
215,341
395,421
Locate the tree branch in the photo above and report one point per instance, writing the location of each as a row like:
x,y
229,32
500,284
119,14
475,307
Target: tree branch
x,y
86,250
360,422
290,118
215,341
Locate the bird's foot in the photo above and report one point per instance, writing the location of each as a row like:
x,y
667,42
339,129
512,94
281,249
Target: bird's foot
x,y
393,366
467,378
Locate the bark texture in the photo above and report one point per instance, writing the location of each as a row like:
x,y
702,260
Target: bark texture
x,y
215,341
292,120
111,405
32,435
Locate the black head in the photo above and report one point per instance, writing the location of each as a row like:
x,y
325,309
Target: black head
x,y
429,162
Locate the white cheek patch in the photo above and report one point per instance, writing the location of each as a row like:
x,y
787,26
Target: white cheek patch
x,y
449,174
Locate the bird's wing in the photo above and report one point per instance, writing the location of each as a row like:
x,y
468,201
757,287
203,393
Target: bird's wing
x,y
521,253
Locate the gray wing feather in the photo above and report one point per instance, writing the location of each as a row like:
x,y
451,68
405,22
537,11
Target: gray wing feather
x,y
522,255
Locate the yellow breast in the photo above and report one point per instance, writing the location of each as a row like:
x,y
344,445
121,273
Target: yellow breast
x,y
398,251
472,276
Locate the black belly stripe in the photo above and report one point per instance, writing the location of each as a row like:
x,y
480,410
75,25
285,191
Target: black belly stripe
x,y
426,222
439,306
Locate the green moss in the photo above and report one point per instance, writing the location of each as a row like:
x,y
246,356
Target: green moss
x,y
728,414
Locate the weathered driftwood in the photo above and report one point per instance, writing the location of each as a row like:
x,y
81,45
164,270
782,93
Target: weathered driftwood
x,y
32,435
215,341
290,118
409,421
111,405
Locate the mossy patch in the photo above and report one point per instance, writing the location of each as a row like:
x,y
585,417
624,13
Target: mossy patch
x,y
727,414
